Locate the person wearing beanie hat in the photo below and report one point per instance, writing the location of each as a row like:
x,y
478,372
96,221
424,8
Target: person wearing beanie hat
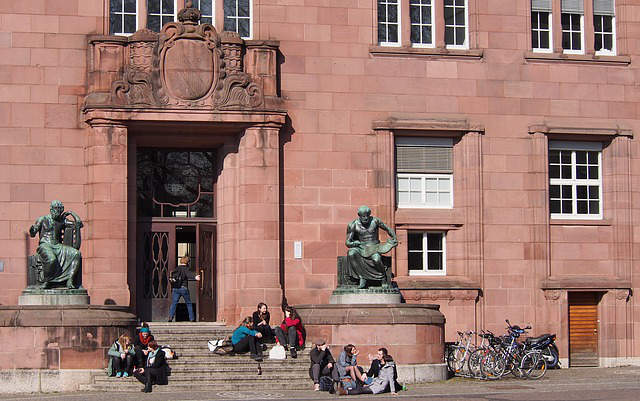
x,y
140,344
322,363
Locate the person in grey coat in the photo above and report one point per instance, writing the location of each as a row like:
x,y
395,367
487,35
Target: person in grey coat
x,y
380,383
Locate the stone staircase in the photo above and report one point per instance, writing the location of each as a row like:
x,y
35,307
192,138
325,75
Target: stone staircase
x,y
197,369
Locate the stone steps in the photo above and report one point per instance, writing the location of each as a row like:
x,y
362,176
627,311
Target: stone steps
x,y
197,369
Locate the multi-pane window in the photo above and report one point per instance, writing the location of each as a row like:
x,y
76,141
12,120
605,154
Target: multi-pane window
x,y
237,17
426,253
541,26
424,168
455,23
575,180
421,16
572,19
206,10
388,22
604,26
123,17
160,12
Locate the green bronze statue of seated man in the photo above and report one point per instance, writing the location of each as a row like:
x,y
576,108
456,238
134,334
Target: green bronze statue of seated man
x,y
363,259
60,260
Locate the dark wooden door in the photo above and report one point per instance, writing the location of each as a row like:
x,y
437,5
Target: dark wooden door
x,y
206,268
155,260
583,329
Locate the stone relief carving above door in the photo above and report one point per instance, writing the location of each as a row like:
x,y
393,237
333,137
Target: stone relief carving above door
x,y
185,65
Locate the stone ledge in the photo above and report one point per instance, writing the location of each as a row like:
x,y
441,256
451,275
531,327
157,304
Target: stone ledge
x,y
335,314
422,373
44,380
66,315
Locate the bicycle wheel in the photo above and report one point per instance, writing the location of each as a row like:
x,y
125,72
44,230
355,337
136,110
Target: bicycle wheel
x,y
456,360
474,363
533,365
492,366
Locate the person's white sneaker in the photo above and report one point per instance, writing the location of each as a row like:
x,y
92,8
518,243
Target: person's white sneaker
x,y
316,387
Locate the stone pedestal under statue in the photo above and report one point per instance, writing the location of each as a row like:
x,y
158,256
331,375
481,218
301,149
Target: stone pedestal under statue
x,y
54,296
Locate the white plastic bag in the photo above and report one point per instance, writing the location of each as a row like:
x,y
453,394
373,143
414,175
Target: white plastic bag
x,y
277,352
168,352
212,344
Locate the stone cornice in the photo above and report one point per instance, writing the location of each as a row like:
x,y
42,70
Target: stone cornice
x,y
448,125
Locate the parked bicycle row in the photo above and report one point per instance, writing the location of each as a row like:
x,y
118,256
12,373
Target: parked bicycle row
x,y
497,356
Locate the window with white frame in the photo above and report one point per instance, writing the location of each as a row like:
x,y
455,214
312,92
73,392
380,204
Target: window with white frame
x,y
541,37
604,24
421,16
123,17
388,22
572,19
427,254
424,172
237,17
455,24
575,180
160,12
206,10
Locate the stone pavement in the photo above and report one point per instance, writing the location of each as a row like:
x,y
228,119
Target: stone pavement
x,y
582,384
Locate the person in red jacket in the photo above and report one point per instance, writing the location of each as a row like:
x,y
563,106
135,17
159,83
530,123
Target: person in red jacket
x,y
289,334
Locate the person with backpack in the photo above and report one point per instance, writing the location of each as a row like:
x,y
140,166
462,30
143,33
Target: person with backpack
x,y
322,369
180,288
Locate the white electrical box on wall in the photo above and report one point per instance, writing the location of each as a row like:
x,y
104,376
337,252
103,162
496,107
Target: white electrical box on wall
x,y
297,249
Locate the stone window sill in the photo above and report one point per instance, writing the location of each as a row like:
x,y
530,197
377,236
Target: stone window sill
x,y
577,58
405,51
436,283
581,222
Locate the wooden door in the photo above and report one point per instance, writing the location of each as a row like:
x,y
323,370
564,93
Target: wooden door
x,y
583,329
155,260
206,268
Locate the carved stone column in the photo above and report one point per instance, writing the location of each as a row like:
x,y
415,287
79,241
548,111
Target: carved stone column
x,y
248,241
105,264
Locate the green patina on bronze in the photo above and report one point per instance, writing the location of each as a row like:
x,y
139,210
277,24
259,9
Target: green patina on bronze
x,y
57,262
364,262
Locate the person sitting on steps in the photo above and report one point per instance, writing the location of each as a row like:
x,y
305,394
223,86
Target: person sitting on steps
x,y
377,363
121,356
140,345
322,363
155,370
261,319
245,339
289,334
380,384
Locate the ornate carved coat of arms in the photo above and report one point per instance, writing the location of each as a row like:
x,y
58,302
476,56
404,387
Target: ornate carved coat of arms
x,y
186,64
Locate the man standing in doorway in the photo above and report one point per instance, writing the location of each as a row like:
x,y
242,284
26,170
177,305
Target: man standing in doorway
x,y
180,284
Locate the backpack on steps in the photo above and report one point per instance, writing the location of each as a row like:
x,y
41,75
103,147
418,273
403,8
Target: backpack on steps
x,y
326,383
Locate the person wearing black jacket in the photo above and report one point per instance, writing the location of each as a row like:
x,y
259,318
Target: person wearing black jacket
x,y
322,363
261,322
156,369
140,344
180,287
376,365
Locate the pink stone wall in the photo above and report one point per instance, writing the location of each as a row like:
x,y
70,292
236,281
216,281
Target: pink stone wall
x,y
334,87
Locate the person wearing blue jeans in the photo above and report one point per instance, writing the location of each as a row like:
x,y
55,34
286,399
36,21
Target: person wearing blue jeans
x,y
179,282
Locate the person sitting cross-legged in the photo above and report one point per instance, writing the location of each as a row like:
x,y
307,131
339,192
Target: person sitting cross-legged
x,y
380,384
377,363
245,339
322,363
155,370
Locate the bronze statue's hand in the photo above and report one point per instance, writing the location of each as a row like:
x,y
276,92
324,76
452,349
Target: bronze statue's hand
x,y
33,231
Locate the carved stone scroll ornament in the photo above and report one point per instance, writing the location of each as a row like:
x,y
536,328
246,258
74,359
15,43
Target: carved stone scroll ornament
x,y
187,65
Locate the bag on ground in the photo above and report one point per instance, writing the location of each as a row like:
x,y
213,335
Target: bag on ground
x,y
277,352
168,352
326,383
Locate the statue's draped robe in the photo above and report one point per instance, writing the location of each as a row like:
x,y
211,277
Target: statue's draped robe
x,y
359,259
59,261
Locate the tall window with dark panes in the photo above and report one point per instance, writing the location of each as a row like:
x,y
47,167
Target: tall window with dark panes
x,y
237,17
455,23
426,253
575,180
123,17
572,26
206,10
160,12
541,26
421,16
604,26
388,22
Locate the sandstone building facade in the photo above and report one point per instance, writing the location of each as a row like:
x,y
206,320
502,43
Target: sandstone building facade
x,y
497,137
